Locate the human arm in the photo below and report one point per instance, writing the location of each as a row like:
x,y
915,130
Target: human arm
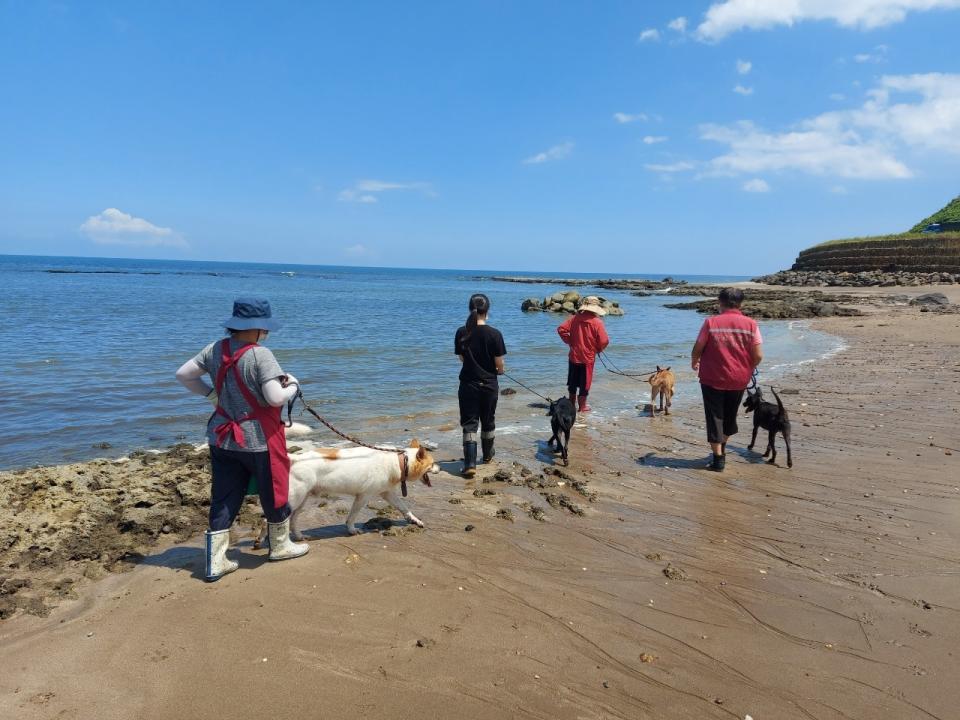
x,y
190,375
278,394
498,351
564,329
756,350
602,339
698,347
276,386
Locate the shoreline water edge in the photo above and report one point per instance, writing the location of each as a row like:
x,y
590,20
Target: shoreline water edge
x,y
630,584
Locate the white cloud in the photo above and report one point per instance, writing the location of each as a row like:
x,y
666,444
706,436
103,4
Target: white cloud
x,y
835,152
679,24
654,139
741,90
932,123
557,152
730,16
744,67
837,97
878,55
113,227
838,190
624,118
649,35
670,168
757,185
366,191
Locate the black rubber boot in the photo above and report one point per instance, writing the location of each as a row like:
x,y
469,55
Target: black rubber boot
x,y
718,463
470,459
488,451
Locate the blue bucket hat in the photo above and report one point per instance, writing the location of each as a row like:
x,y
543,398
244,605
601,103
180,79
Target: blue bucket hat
x,y
251,314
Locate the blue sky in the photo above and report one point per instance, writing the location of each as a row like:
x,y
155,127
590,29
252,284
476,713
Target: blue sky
x,y
698,137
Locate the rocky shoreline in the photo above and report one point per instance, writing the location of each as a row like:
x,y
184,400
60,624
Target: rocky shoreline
x,y
867,278
66,523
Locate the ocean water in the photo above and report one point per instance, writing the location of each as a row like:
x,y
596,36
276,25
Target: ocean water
x,y
93,345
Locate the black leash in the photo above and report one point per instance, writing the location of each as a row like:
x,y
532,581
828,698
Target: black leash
x,y
753,380
507,375
401,454
604,360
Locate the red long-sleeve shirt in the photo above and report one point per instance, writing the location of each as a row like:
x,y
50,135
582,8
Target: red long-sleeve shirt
x,y
586,336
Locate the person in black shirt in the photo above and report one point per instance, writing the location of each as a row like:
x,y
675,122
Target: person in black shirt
x,y
480,348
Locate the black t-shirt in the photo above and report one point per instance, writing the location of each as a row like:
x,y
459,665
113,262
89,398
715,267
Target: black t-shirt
x,y
485,344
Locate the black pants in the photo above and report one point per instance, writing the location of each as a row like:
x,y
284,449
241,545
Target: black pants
x,y
478,408
232,470
578,378
721,408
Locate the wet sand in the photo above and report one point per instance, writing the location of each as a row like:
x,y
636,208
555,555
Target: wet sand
x,y
827,591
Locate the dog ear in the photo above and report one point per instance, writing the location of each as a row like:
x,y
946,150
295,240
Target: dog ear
x,y
414,443
668,367
421,453
658,368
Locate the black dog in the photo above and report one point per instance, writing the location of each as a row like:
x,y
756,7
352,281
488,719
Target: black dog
x,y
563,415
772,418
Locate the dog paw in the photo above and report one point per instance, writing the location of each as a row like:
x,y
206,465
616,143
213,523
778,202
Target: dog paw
x,y
352,530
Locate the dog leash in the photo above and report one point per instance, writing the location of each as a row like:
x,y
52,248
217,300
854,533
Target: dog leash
x,y
508,375
401,454
753,379
604,359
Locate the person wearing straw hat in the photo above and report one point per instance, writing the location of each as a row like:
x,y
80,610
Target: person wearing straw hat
x,y
586,336
245,432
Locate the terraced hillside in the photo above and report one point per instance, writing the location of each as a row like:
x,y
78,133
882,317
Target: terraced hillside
x,y
895,253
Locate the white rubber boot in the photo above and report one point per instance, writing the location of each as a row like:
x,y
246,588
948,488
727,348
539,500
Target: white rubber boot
x,y
217,542
281,548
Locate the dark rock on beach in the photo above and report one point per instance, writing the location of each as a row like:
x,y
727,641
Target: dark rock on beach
x,y
789,304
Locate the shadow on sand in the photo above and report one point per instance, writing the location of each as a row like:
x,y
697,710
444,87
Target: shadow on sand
x,y
185,558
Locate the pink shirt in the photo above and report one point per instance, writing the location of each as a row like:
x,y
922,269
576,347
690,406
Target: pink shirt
x,y
728,339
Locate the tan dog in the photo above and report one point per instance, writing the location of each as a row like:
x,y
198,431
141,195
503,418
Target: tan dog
x,y
661,383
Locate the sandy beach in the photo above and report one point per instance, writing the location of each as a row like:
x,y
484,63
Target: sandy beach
x,y
632,584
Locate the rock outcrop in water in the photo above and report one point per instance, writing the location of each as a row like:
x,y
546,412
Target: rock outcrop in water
x,y
566,302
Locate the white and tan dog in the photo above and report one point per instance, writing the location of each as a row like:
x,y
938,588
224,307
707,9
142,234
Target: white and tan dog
x,y
360,472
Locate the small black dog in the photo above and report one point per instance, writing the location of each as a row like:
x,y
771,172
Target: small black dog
x,y
563,415
772,418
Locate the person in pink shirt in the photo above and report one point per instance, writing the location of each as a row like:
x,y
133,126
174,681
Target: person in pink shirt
x,y
586,336
728,349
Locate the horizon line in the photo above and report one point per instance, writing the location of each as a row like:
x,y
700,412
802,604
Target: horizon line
x,y
382,267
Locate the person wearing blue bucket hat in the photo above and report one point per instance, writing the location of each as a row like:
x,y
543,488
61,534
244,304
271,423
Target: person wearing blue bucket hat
x,y
245,432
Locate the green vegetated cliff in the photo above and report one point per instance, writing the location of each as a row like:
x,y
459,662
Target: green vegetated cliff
x,y
911,251
950,213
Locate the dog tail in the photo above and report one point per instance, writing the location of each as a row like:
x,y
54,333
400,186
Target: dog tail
x,y
779,402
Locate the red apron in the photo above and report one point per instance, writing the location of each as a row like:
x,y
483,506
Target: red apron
x,y
268,417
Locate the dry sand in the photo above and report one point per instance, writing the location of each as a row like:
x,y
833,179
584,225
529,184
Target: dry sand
x,y
828,591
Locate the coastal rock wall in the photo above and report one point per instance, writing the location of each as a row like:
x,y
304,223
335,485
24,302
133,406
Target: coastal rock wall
x,y
929,254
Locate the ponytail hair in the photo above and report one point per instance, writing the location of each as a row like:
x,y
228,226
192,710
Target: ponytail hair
x,y
479,305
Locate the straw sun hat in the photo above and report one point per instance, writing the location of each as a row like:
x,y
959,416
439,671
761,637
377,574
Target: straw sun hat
x,y
591,303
